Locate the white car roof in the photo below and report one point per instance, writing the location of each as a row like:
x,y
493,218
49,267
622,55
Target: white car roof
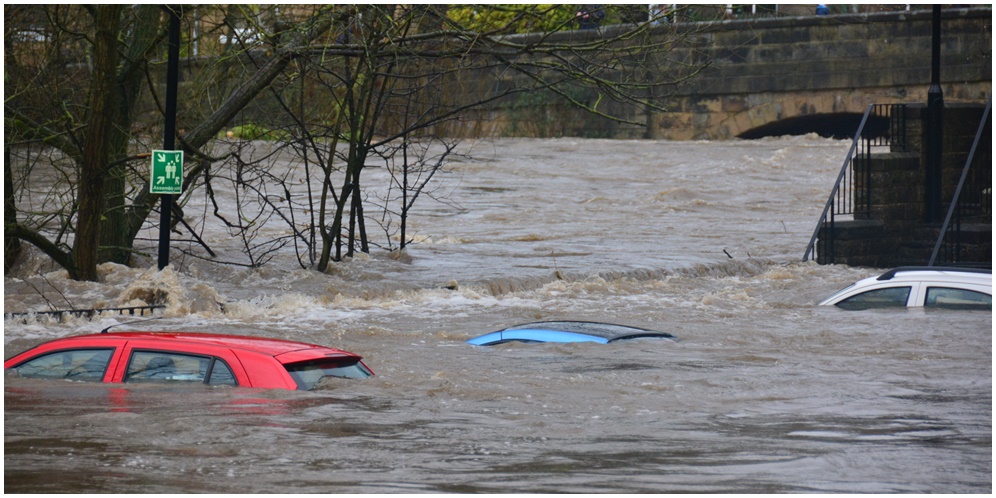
x,y
968,278
934,274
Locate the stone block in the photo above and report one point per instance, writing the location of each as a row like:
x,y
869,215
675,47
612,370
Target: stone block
x,y
733,103
783,36
853,230
892,194
903,177
897,213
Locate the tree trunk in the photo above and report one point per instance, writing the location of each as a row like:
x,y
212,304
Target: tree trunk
x,y
11,245
96,147
115,238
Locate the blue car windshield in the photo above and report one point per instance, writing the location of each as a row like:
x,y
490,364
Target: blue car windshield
x,y
603,330
566,331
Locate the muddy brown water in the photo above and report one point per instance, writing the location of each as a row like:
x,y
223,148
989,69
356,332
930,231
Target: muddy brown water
x,y
764,392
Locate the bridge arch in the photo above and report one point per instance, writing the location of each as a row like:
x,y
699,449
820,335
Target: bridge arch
x,y
816,71
840,126
776,75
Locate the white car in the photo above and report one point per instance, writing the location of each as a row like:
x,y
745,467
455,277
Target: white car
x,y
930,287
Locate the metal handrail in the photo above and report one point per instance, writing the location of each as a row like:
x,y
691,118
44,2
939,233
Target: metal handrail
x,y
961,183
89,313
836,186
847,203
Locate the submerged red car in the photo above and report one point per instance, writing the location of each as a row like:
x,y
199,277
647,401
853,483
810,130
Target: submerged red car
x,y
213,359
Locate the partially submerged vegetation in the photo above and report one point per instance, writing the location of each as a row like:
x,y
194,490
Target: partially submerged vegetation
x,y
336,86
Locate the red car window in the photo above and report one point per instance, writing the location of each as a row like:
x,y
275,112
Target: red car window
x,y
161,366
74,364
307,374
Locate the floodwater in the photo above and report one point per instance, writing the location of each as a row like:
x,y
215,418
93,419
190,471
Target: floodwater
x,y
763,393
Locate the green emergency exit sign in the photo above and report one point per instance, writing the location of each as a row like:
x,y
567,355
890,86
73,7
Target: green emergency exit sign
x,y
166,176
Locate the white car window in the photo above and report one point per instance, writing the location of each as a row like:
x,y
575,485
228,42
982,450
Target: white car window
x,y
946,297
890,297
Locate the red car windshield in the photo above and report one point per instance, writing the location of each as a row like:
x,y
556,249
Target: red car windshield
x,y
308,374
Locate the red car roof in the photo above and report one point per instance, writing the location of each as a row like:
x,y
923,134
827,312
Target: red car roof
x,y
263,345
257,361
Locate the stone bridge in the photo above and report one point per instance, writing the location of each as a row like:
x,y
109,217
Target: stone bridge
x,y
795,75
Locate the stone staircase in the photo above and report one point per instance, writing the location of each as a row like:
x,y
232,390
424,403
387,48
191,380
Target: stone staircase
x,y
887,227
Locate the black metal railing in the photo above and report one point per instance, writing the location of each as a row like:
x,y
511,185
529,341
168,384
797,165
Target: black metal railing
x,y
972,201
851,192
89,313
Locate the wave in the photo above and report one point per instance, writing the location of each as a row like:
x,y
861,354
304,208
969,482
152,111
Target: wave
x,y
732,268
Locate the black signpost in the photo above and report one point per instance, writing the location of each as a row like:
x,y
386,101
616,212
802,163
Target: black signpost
x,y
169,128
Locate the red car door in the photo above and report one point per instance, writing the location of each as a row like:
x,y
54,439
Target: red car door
x,y
139,352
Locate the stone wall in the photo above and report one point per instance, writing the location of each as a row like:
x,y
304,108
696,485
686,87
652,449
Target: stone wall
x,y
762,71
773,69
767,70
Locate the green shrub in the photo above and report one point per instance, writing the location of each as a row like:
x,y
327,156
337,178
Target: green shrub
x,y
255,132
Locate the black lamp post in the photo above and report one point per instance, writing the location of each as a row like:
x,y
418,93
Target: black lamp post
x,y
935,128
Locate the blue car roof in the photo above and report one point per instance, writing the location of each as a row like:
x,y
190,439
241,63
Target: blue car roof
x,y
566,331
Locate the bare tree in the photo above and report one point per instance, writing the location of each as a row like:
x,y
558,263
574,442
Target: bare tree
x,y
346,87
400,75
412,165
94,129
